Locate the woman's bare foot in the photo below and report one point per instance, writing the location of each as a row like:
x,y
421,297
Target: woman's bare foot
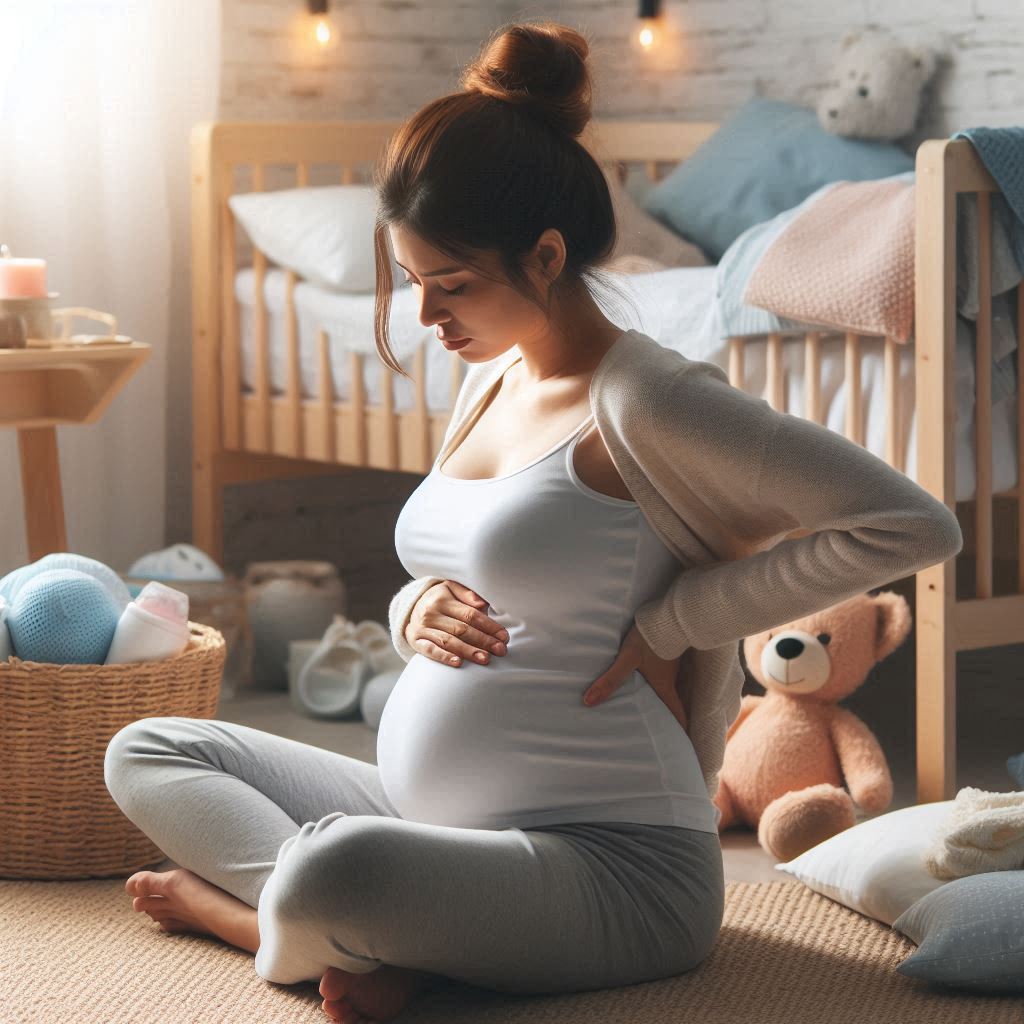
x,y
182,901
378,996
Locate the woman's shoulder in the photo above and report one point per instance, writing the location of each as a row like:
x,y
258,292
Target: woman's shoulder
x,y
650,379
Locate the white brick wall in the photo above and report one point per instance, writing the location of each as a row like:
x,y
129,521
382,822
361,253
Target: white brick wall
x,y
393,55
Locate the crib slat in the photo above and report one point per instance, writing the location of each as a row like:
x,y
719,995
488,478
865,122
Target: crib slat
x,y
893,432
330,435
387,376
851,371
651,170
774,384
259,262
348,175
983,403
812,377
421,414
230,354
298,446
291,321
355,373
737,374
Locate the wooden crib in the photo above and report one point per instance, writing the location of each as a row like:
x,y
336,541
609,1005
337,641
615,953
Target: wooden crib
x,y
241,436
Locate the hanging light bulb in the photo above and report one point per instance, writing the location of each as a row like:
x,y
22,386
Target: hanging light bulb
x,y
648,31
323,32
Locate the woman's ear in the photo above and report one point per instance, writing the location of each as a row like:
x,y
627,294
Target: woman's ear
x,y
549,253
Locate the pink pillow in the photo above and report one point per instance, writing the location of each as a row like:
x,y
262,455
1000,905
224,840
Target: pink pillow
x,y
846,262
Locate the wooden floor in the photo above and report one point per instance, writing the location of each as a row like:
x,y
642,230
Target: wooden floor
x,y
990,728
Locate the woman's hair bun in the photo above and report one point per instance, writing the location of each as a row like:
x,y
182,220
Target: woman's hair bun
x,y
540,68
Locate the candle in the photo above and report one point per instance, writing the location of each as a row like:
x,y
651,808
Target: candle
x,y
22,278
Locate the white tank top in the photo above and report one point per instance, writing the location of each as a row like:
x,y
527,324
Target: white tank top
x,y
510,743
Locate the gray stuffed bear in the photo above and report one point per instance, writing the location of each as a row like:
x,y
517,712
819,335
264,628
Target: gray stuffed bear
x,y
876,89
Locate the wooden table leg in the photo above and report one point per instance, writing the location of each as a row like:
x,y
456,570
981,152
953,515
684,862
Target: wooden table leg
x,y
44,500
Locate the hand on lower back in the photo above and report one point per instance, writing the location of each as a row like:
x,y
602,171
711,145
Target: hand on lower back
x,y
658,673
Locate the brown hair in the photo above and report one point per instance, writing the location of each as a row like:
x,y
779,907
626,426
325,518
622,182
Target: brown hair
x,y
494,165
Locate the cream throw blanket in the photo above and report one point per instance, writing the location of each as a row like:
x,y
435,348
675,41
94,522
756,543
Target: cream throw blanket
x,y
984,832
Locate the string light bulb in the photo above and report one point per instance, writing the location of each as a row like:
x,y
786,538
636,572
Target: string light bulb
x,y
323,32
648,32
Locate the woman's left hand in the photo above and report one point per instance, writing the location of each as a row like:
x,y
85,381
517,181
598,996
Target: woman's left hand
x,y
659,674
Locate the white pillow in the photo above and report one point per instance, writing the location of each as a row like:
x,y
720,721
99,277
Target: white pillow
x,y
877,867
324,234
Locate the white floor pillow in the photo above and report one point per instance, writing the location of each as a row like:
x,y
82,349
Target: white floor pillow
x,y
877,867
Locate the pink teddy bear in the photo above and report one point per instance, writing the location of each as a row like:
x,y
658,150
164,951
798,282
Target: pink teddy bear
x,y
789,751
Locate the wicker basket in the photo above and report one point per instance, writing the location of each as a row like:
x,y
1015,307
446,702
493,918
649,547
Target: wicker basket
x,y
57,819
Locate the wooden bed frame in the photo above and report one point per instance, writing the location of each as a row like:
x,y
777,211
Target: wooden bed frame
x,y
251,436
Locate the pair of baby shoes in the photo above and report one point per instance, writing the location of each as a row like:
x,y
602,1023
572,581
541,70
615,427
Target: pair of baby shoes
x,y
331,679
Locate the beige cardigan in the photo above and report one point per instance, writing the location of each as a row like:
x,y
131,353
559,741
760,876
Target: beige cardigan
x,y
723,478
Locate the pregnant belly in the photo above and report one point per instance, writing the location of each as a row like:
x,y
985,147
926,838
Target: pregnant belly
x,y
470,746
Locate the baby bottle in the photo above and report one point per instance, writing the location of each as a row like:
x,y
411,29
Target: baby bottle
x,y
152,627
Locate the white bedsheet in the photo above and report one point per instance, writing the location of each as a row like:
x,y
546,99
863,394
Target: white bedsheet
x,y
675,307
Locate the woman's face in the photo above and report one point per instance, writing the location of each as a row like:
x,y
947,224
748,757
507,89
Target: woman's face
x,y
464,304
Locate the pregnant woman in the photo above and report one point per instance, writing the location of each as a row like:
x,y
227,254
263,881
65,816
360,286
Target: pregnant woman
x,y
604,518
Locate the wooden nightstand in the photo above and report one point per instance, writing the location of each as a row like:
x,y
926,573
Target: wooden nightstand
x,y
41,387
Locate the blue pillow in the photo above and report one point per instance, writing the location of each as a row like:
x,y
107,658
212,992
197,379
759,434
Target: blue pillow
x,y
764,159
970,933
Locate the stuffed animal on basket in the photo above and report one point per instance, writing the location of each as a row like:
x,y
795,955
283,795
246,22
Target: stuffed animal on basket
x,y
788,752
876,87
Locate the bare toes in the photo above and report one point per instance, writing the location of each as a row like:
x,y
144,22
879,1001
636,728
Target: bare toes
x,y
332,984
340,1010
133,885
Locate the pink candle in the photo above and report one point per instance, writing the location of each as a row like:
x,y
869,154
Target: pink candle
x,y
22,278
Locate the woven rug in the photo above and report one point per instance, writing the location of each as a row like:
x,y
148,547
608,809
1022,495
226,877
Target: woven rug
x,y
77,952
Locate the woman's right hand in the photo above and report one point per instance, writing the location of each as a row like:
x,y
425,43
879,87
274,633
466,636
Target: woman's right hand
x,y
447,624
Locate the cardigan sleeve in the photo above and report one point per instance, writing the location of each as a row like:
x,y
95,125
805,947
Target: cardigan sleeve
x,y
761,474
401,608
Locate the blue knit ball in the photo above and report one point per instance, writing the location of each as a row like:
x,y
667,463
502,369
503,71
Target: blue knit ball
x,y
63,617
14,581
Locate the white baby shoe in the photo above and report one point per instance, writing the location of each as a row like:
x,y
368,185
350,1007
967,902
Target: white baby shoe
x,y
375,640
328,680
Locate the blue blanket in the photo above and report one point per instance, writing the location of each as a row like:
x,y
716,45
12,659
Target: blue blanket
x,y
1002,152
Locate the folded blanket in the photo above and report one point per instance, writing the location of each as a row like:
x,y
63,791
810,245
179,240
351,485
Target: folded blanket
x,y
846,262
735,318
984,832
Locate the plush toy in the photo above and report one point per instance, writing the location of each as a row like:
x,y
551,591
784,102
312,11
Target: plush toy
x,y
789,751
876,89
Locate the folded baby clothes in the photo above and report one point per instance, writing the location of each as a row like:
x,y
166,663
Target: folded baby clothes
x,y
983,832
178,562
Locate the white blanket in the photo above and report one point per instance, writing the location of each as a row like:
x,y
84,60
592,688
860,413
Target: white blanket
x,y
984,832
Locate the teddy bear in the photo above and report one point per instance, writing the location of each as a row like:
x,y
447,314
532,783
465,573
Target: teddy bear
x,y
876,87
789,750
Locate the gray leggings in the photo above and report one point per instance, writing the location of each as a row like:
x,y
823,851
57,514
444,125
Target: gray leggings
x,y
339,878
